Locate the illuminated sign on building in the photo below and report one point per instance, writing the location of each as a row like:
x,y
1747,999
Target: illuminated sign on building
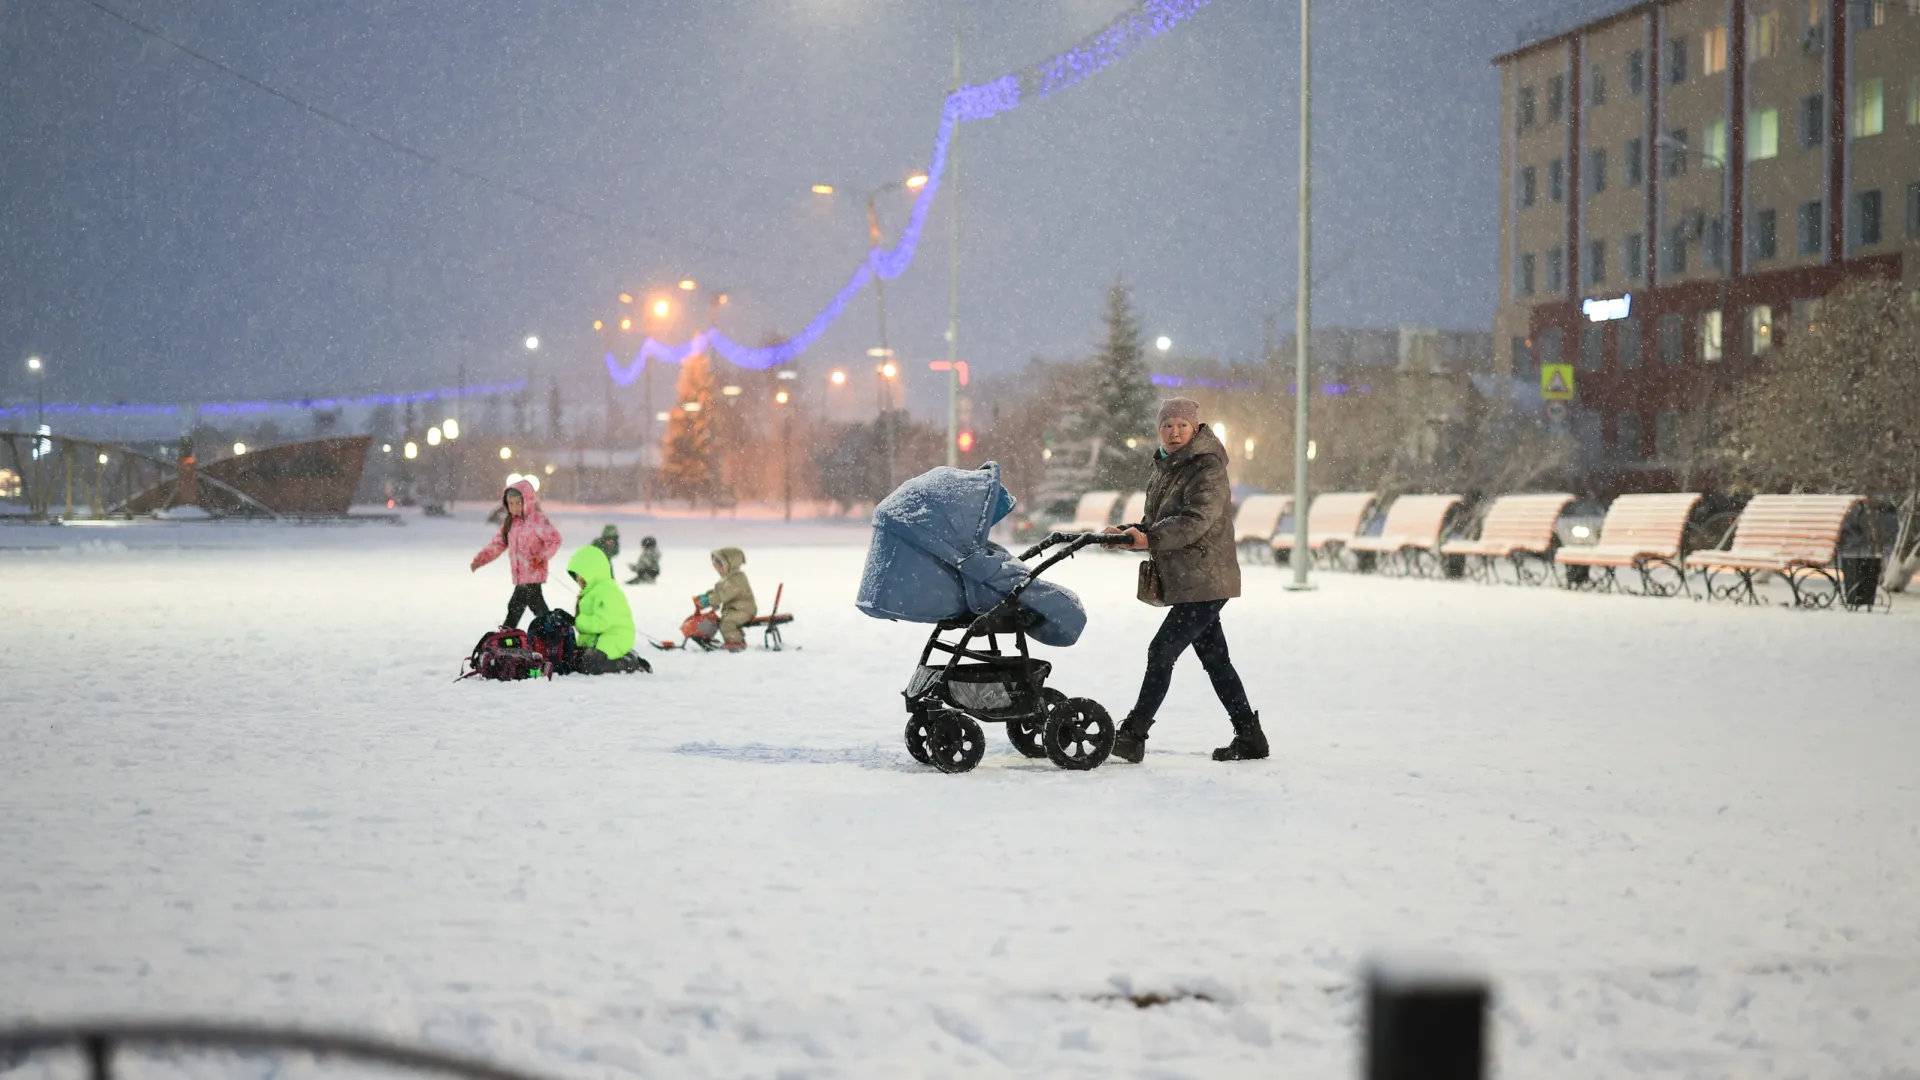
x,y
1607,310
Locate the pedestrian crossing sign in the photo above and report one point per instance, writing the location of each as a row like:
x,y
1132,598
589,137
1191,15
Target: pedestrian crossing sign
x,y
1556,382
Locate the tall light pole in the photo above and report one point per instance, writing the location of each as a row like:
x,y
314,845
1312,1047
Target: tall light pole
x,y
1303,304
38,369
953,268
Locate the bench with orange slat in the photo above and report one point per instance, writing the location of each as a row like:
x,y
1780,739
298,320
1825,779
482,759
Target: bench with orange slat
x,y
1332,521
1255,522
1409,540
1795,536
1641,533
1518,530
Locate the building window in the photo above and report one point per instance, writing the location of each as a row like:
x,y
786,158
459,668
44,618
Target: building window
x,y
1760,329
1596,262
1765,35
1674,155
1873,13
1596,85
1810,230
1556,271
1635,165
1666,435
1713,243
1633,257
1593,340
1869,108
1556,98
1552,348
1713,144
1913,95
1676,253
1713,51
1627,439
1528,189
1673,342
1766,234
1596,171
1806,312
1813,120
1629,344
1636,73
1710,335
1525,110
1763,134
1913,209
1556,181
1866,219
1526,275
1676,60
1522,356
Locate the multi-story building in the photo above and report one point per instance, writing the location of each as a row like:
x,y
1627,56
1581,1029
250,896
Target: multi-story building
x,y
1681,181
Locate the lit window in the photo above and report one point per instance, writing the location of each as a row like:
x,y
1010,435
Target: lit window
x,y
1869,108
1913,96
1760,329
1766,35
1713,51
1710,337
1713,144
1763,134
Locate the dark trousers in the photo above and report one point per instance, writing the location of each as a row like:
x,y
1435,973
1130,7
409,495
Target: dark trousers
x,y
1197,625
524,597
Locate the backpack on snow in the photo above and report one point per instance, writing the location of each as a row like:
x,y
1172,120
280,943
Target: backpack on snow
x,y
552,636
506,655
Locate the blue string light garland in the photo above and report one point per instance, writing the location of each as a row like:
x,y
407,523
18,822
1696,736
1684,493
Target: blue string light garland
x,y
964,106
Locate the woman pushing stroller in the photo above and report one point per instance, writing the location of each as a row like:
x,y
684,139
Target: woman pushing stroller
x,y
529,540
1188,533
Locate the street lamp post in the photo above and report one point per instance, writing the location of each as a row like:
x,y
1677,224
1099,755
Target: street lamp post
x,y
953,269
1303,303
783,400
38,369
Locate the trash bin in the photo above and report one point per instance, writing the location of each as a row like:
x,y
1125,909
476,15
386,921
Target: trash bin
x,y
1859,580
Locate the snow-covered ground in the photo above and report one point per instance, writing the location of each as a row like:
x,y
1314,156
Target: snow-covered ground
x,y
236,779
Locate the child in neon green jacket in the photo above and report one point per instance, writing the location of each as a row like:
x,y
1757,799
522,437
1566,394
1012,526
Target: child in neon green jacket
x,y
602,623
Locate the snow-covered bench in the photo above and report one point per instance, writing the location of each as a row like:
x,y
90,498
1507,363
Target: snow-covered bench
x,y
1332,522
1518,530
1409,540
1795,536
1093,513
1641,533
1135,509
1254,523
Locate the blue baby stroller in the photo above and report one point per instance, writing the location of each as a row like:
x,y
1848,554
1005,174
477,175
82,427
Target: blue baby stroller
x,y
931,562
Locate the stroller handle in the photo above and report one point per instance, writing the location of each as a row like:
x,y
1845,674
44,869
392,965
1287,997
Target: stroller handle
x,y
1078,540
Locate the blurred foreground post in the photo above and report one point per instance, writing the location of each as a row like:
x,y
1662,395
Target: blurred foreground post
x,y
1303,304
1425,1025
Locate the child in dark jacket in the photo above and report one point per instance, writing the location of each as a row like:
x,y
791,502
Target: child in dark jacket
x,y
646,569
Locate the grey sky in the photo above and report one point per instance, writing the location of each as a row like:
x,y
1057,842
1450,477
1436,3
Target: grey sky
x,y
167,232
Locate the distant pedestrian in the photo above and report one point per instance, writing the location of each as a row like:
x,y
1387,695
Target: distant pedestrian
x,y
1194,571
646,568
609,542
529,540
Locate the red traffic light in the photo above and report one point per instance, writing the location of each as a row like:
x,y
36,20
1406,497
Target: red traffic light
x,y
964,440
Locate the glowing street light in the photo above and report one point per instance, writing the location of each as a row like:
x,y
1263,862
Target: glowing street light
x,y
411,450
433,436
730,391
823,189
533,342
506,453
889,369
599,325
626,324
691,406
103,459
626,298
1163,343
780,398
661,309
838,378
34,365
238,449
688,284
451,429
916,181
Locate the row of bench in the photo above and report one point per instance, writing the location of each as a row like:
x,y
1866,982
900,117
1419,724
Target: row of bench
x,y
1796,537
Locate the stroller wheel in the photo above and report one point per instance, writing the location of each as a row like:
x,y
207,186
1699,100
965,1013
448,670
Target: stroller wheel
x,y
1028,734
954,741
1079,734
917,737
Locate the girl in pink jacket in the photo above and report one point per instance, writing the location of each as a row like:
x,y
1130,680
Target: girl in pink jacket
x,y
529,540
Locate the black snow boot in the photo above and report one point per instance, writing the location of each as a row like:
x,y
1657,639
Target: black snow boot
x,y
1249,742
1130,741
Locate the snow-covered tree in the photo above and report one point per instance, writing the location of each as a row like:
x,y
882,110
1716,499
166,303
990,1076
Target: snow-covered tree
x,y
1123,399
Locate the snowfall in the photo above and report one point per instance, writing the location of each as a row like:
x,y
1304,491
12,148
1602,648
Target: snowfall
x,y
238,780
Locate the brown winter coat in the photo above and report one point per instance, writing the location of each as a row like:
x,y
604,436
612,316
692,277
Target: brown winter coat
x,y
731,596
1189,523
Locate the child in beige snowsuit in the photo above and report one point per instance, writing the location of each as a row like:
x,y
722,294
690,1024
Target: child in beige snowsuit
x,y
731,596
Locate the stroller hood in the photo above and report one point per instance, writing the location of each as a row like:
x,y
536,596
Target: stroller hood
x,y
930,558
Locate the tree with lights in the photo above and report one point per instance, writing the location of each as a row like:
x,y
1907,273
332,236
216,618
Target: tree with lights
x,y
690,464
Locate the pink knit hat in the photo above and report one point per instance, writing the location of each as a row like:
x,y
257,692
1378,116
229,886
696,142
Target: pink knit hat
x,y
1180,408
